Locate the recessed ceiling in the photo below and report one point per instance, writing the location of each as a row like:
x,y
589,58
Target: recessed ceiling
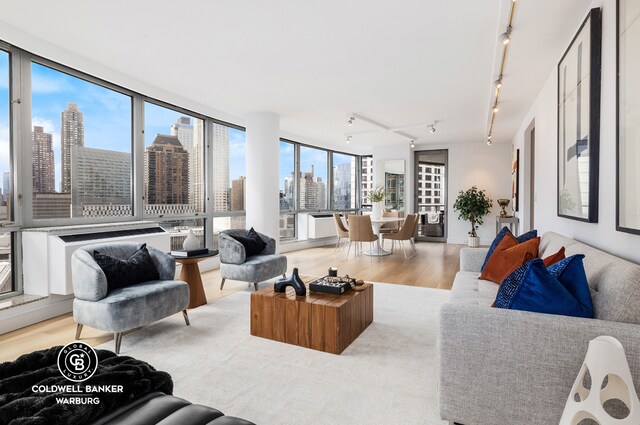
x,y
399,63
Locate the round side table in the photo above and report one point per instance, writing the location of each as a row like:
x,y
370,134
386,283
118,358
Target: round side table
x,y
191,274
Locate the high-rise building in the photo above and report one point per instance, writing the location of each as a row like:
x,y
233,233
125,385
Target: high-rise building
x,y
313,191
196,167
43,169
185,131
71,134
238,193
366,182
166,171
51,205
220,189
431,186
287,196
6,186
100,182
344,180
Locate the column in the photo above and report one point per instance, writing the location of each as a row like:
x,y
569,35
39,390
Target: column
x,y
263,170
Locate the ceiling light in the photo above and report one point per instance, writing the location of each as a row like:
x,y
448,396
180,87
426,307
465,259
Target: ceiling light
x,y
348,139
432,128
413,145
489,140
495,108
350,122
498,82
505,37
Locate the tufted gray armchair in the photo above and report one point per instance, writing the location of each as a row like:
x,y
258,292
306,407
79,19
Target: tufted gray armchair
x,y
128,307
235,265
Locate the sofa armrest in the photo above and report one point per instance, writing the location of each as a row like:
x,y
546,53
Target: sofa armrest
x,y
230,250
471,259
271,244
165,263
505,366
88,279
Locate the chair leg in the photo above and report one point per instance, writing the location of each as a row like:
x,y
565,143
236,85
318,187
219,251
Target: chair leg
x,y
348,249
413,245
186,317
337,245
403,250
284,275
222,283
371,252
118,339
78,331
255,285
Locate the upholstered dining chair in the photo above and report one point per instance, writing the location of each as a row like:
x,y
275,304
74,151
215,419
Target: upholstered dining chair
x,y
390,227
360,230
341,230
404,234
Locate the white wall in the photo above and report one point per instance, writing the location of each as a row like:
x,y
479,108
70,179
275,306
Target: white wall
x,y
475,163
602,234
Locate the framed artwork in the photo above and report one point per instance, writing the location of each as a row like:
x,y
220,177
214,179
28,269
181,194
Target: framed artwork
x,y
515,182
579,122
628,110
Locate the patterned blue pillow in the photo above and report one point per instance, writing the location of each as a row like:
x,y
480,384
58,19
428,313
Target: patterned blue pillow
x,y
560,289
501,234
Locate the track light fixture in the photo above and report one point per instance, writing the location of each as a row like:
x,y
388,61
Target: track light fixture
x,y
350,121
505,37
495,108
498,82
413,145
348,139
432,128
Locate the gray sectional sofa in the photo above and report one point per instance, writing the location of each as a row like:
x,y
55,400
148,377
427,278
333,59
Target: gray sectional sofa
x,y
513,367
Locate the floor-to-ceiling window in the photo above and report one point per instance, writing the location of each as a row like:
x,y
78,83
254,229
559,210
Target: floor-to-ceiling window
x,y
287,190
6,237
344,187
312,180
366,180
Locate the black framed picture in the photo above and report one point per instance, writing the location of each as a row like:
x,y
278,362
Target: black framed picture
x,y
628,110
579,122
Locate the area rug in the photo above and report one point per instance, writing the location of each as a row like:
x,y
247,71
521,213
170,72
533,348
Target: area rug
x,y
386,376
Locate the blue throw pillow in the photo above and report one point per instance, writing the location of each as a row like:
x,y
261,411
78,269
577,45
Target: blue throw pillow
x,y
522,238
560,289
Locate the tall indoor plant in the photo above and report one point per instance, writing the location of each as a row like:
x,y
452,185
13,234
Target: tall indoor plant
x,y
472,205
376,197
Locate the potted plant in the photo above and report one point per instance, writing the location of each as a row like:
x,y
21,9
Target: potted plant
x,y
472,205
376,197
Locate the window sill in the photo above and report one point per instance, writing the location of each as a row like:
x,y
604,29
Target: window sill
x,y
19,300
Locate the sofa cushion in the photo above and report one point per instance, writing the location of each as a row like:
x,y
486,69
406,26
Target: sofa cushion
x,y
554,258
133,306
137,268
501,234
252,242
561,289
508,256
468,289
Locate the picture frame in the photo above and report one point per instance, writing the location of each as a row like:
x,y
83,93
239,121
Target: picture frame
x,y
579,72
515,182
627,117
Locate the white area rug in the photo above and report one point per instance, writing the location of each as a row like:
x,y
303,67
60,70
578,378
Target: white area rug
x,y
386,376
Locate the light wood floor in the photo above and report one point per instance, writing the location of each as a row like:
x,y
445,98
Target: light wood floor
x,y
434,267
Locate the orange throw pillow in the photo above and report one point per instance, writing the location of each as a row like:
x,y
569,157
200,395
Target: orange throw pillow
x,y
552,259
508,256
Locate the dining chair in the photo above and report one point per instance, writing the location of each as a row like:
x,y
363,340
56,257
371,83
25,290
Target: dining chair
x,y
404,234
341,230
360,230
390,227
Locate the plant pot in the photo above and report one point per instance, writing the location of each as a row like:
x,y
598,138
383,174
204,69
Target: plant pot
x,y
376,210
474,241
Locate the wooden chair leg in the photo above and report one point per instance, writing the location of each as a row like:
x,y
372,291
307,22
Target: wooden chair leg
x,y
222,283
78,331
186,317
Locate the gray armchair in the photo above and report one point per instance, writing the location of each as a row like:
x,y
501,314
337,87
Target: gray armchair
x,y
235,265
128,307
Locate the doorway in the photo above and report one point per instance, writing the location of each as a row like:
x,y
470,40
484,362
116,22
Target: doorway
x,y
430,197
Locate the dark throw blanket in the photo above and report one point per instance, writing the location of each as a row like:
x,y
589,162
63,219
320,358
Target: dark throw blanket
x,y
19,405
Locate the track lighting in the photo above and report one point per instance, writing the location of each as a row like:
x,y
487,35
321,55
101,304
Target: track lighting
x,y
498,82
505,37
348,139
489,140
495,108
432,128
350,121
413,145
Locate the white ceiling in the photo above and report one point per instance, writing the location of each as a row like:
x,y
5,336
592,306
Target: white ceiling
x,y
313,62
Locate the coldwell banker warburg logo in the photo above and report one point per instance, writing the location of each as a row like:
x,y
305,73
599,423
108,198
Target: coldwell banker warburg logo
x,y
77,361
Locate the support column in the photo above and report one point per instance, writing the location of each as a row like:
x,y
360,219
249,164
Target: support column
x,y
263,170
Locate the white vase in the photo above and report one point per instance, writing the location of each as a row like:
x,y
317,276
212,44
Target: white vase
x,y
474,241
191,243
605,359
376,210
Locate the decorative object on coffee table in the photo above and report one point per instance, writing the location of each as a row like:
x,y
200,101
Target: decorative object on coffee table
x,y
605,359
294,281
318,321
358,285
503,204
191,243
331,284
472,205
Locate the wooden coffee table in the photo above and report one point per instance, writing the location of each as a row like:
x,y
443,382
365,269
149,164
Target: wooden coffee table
x,y
318,321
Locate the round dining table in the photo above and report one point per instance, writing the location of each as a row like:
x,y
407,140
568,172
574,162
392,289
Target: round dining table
x,y
377,225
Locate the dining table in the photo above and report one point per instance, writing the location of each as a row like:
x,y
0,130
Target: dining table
x,y
377,224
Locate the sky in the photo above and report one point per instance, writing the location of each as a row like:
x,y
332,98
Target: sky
x,y
107,116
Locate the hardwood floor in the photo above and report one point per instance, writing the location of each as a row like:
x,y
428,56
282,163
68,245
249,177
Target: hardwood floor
x,y
434,266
